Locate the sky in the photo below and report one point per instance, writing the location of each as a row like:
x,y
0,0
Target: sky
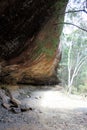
x,y
75,5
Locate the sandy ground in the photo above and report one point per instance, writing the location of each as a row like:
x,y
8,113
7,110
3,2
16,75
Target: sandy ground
x,y
51,110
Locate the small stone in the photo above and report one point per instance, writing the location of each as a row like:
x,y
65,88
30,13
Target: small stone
x,y
40,111
16,110
7,106
9,120
25,108
15,102
36,97
28,96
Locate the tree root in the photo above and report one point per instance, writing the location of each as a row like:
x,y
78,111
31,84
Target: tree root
x,y
11,103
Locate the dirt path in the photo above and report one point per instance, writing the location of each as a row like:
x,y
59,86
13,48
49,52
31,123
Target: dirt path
x,y
51,110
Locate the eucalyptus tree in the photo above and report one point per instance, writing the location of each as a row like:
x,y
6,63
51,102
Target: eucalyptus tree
x,y
74,42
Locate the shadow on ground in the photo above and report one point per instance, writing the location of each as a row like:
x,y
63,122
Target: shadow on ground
x,y
51,110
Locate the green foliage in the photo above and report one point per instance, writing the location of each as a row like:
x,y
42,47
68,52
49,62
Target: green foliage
x,y
78,40
74,90
73,66
82,88
79,46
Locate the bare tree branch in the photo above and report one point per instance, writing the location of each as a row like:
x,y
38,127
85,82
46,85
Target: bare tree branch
x,y
72,11
72,25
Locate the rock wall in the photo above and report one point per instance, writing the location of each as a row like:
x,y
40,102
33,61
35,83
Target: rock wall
x,y
29,40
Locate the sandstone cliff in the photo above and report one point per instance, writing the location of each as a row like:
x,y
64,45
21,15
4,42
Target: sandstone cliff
x,y
29,40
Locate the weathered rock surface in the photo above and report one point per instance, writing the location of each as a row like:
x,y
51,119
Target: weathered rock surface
x,y
29,40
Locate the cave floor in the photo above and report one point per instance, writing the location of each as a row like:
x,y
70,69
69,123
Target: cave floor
x,y
51,109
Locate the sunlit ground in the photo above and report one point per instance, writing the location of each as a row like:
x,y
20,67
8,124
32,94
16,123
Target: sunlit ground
x,y
55,99
51,109
52,99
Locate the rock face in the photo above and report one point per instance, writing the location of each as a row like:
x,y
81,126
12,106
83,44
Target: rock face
x,y
29,40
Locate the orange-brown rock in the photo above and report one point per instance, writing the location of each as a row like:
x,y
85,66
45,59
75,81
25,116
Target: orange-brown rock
x,y
29,40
